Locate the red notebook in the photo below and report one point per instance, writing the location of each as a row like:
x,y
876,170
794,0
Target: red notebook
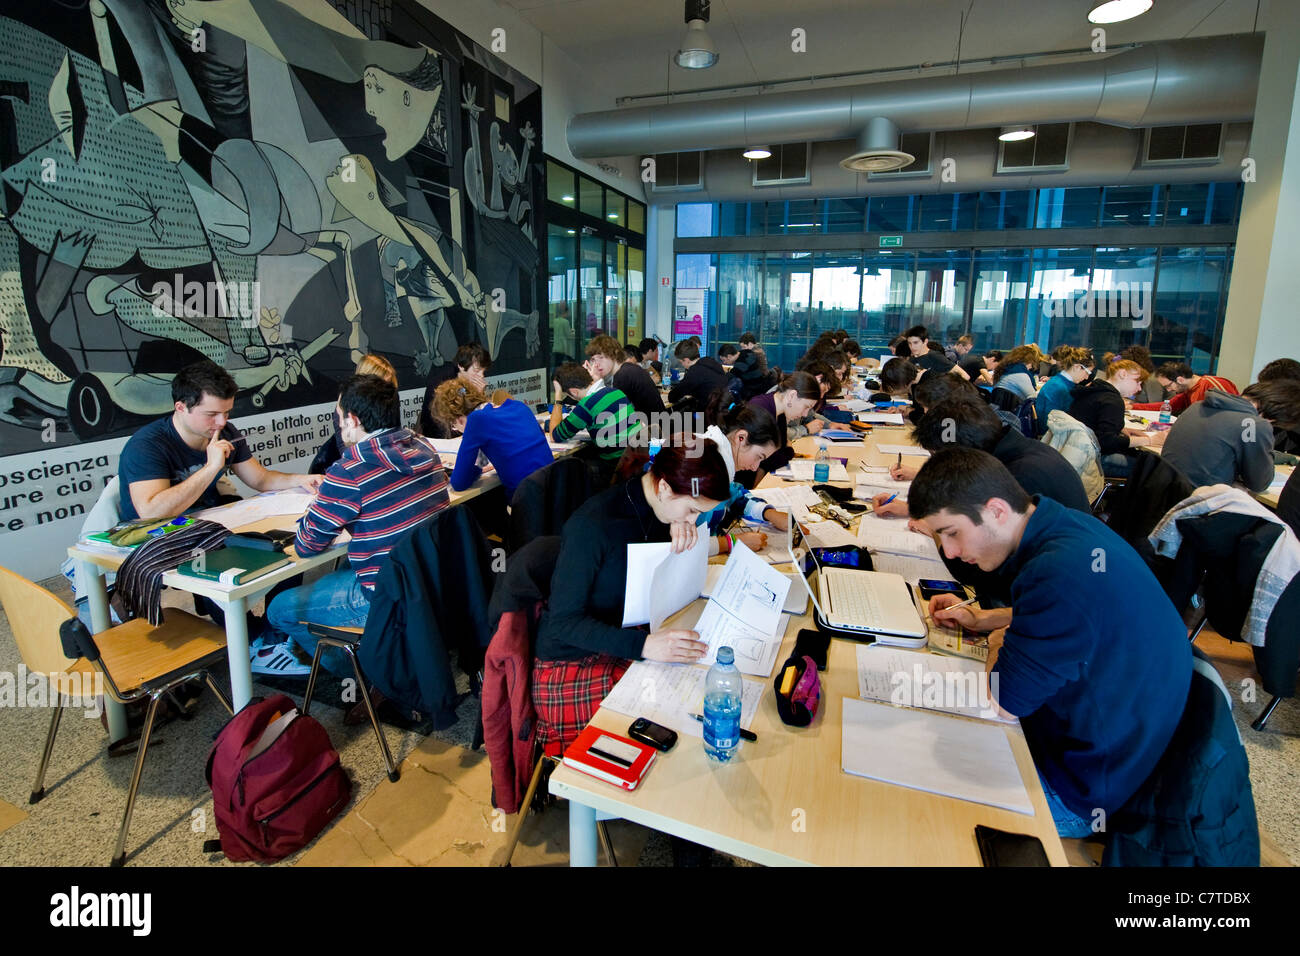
x,y
610,757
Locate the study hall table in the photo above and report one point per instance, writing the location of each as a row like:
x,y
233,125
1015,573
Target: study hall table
x,y
234,601
784,800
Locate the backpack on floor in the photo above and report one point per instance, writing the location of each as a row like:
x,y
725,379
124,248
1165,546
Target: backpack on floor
x,y
276,781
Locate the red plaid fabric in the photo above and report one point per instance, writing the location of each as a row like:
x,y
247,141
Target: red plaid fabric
x,y
568,693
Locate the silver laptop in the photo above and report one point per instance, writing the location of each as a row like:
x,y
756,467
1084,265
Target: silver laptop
x,y
871,602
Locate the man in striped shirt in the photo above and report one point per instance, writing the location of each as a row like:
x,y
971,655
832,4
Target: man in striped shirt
x,y
387,482
604,412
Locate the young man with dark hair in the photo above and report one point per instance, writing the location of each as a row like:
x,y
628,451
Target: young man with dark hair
x,y
472,364
750,367
704,376
388,481
728,353
650,359
173,464
635,382
1185,388
918,343
1225,438
1280,368
1091,655
603,412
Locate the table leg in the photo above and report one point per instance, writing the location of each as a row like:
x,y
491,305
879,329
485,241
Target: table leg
x,y
241,672
91,577
582,834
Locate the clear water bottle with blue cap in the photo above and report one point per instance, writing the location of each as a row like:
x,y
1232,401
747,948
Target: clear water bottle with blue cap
x,y
822,466
722,695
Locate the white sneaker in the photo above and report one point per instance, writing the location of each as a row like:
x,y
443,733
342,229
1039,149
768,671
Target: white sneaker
x,y
277,660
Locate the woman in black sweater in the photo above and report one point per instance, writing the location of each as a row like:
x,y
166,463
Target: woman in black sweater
x,y
582,649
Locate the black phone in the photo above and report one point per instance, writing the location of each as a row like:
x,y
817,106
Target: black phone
x,y
656,735
1000,848
931,587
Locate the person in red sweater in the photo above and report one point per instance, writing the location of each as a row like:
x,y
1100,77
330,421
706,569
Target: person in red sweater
x,y
1185,388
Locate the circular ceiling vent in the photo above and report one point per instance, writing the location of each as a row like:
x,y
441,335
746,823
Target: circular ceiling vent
x,y
877,160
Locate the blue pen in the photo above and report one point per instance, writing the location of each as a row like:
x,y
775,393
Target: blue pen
x,y
888,500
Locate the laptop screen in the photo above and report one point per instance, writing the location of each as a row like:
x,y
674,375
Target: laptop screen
x,y
804,557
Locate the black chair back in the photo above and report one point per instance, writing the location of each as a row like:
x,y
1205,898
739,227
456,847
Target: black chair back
x,y
545,499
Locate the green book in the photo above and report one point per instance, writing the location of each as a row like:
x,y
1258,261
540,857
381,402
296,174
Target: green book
x,y
234,565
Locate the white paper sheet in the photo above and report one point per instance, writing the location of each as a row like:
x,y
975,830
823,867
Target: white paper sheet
x,y
669,693
830,534
802,469
881,418
676,581
902,450
642,559
274,504
449,446
744,613
904,678
891,534
796,600
869,486
909,567
851,404
794,499
967,759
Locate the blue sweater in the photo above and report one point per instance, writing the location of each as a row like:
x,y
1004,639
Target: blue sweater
x,y
511,439
1056,395
1096,662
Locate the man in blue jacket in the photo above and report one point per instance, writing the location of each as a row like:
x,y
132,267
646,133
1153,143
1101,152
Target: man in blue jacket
x,y
1091,656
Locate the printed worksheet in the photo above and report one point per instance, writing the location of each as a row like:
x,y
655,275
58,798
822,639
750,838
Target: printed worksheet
x,y
669,693
795,499
744,613
272,504
890,534
909,567
881,418
954,685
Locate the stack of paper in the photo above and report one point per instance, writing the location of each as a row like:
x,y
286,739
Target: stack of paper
x,y
274,504
954,685
669,693
891,534
881,418
965,759
902,450
794,499
870,485
796,599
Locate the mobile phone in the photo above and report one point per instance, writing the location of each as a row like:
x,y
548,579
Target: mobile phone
x,y
931,587
656,735
1000,848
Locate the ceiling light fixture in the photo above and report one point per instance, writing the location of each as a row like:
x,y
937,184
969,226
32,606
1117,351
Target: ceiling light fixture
x,y
1013,134
1116,11
757,152
697,51
566,199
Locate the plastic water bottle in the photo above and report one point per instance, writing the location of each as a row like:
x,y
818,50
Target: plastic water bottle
x,y
722,693
1166,412
822,466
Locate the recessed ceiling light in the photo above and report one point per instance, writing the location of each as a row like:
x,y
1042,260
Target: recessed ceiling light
x,y
1012,134
570,231
566,199
613,215
757,152
1116,11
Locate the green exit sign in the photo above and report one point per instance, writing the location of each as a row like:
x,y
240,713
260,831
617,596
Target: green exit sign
x,y
886,241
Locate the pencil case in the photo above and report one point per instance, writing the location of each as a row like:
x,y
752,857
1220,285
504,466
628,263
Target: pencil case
x,y
799,694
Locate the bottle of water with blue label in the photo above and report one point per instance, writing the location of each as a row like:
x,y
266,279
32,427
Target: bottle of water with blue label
x,y
722,694
822,465
1166,413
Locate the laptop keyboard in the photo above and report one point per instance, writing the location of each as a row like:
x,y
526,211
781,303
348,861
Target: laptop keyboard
x,y
854,599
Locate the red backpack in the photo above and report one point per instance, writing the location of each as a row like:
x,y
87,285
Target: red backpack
x,y
276,781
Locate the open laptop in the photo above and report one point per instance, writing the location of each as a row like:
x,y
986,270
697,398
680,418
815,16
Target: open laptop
x,y
873,603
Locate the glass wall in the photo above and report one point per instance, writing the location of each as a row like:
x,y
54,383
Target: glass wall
x,y
595,253
1169,298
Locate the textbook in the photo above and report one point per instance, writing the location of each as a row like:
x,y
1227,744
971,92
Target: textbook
x,y
611,758
234,565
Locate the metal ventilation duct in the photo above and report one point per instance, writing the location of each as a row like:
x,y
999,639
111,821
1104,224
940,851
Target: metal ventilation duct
x,y
877,149
1208,80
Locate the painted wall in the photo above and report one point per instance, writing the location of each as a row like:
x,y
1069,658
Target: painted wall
x,y
277,186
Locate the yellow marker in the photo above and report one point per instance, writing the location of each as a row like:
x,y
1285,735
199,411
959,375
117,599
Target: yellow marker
x,y
787,680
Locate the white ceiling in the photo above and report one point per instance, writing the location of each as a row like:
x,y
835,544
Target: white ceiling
x,y
626,46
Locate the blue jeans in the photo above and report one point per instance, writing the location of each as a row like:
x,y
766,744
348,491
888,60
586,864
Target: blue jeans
x,y
1068,823
337,599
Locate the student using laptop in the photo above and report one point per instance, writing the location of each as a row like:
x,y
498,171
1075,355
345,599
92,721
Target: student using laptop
x,y
1091,655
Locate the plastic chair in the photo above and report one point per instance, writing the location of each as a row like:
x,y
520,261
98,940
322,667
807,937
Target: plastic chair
x,y
135,659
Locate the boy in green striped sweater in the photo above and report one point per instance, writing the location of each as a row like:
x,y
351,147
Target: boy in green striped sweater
x,y
604,412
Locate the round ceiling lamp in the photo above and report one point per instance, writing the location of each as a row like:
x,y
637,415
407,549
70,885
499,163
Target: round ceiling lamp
x,y
1117,11
1013,134
757,152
